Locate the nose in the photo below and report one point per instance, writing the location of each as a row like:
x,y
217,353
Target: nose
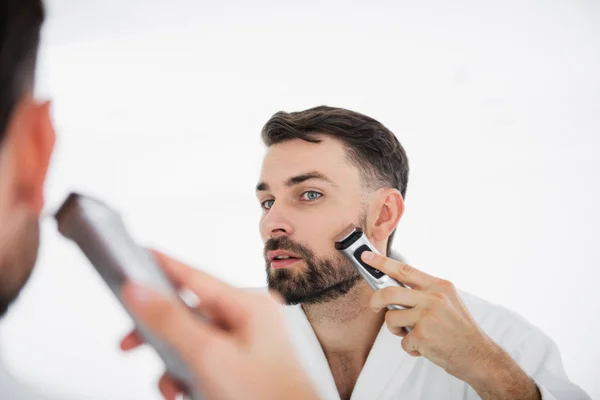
x,y
274,224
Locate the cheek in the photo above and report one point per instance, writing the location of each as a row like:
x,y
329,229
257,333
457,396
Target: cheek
x,y
319,233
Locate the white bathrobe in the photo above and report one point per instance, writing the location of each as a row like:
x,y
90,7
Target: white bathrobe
x,y
390,373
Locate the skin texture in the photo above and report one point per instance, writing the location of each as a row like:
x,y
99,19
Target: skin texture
x,y
309,193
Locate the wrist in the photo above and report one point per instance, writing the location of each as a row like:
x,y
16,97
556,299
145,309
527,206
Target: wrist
x,y
498,376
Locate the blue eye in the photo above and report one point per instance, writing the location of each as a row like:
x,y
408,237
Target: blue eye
x,y
311,195
267,204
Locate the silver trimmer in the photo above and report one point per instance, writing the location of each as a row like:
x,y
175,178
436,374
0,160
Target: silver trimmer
x,y
352,242
101,235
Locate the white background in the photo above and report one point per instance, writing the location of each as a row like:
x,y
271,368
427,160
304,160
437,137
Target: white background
x,y
159,105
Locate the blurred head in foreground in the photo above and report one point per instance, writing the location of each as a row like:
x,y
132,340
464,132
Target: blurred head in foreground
x,y
26,143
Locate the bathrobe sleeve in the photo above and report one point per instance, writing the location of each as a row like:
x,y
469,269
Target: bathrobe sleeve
x,y
540,358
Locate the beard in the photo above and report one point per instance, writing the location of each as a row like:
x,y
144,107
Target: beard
x,y
324,278
18,254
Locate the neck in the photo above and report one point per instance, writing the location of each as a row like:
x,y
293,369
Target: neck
x,y
346,325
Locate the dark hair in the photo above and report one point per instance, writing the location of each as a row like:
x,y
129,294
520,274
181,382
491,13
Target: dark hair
x,y
372,147
20,24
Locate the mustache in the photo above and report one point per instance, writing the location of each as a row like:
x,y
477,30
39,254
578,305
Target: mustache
x,y
285,243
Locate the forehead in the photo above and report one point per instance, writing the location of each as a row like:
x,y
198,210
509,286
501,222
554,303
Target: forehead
x,y
296,156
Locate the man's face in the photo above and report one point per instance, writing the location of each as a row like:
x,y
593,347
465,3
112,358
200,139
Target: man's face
x,y
309,193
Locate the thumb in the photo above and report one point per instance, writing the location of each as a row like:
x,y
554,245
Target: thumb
x,y
168,318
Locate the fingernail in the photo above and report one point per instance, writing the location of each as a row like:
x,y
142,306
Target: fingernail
x,y
376,310
368,255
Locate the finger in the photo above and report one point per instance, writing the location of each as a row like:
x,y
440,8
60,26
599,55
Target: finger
x,y
164,262
403,273
169,388
170,320
402,332
397,320
394,295
409,344
230,307
131,341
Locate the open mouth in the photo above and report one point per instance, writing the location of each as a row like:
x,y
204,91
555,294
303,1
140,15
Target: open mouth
x,y
282,259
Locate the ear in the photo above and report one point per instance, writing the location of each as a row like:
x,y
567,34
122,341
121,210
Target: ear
x,y
386,212
31,138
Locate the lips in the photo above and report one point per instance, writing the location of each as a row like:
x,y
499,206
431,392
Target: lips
x,y
282,258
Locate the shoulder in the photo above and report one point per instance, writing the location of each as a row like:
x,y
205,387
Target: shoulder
x,y
491,315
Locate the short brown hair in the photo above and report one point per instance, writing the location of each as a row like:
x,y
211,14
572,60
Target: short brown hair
x,y
372,147
20,24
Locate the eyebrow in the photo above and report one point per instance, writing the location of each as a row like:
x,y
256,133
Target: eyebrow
x,y
295,180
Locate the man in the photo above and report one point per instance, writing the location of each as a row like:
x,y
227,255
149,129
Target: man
x,y
328,167
26,144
